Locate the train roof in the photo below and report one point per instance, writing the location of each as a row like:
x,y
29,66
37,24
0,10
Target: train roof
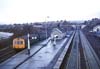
x,y
18,39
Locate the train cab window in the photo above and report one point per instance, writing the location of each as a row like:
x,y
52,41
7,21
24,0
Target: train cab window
x,y
19,42
15,42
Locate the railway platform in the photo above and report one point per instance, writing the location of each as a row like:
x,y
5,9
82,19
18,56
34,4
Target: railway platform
x,y
43,55
21,56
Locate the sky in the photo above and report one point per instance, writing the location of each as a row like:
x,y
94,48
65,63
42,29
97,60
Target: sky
x,y
23,11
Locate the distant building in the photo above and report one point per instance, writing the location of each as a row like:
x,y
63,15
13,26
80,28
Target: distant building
x,y
57,33
38,25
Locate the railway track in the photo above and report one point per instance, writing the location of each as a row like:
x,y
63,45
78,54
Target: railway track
x,y
91,59
82,59
74,58
81,54
6,53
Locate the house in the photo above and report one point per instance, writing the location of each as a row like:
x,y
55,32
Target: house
x,y
56,33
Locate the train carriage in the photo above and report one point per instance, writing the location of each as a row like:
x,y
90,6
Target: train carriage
x,y
19,43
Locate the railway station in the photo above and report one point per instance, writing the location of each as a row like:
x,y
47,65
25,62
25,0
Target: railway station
x,y
49,34
60,51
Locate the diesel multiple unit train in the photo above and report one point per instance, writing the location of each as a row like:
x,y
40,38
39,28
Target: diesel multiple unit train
x,y
20,43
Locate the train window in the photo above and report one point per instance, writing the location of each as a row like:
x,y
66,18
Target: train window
x,y
18,42
21,42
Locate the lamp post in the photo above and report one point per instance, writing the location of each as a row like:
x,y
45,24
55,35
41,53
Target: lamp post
x,y
28,44
55,37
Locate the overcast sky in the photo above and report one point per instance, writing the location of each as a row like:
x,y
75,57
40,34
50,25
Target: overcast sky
x,y
19,11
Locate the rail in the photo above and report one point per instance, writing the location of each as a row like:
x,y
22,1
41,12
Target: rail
x,y
6,53
92,60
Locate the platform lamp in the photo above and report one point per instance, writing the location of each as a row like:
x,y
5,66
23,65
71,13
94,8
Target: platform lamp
x,y
28,48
